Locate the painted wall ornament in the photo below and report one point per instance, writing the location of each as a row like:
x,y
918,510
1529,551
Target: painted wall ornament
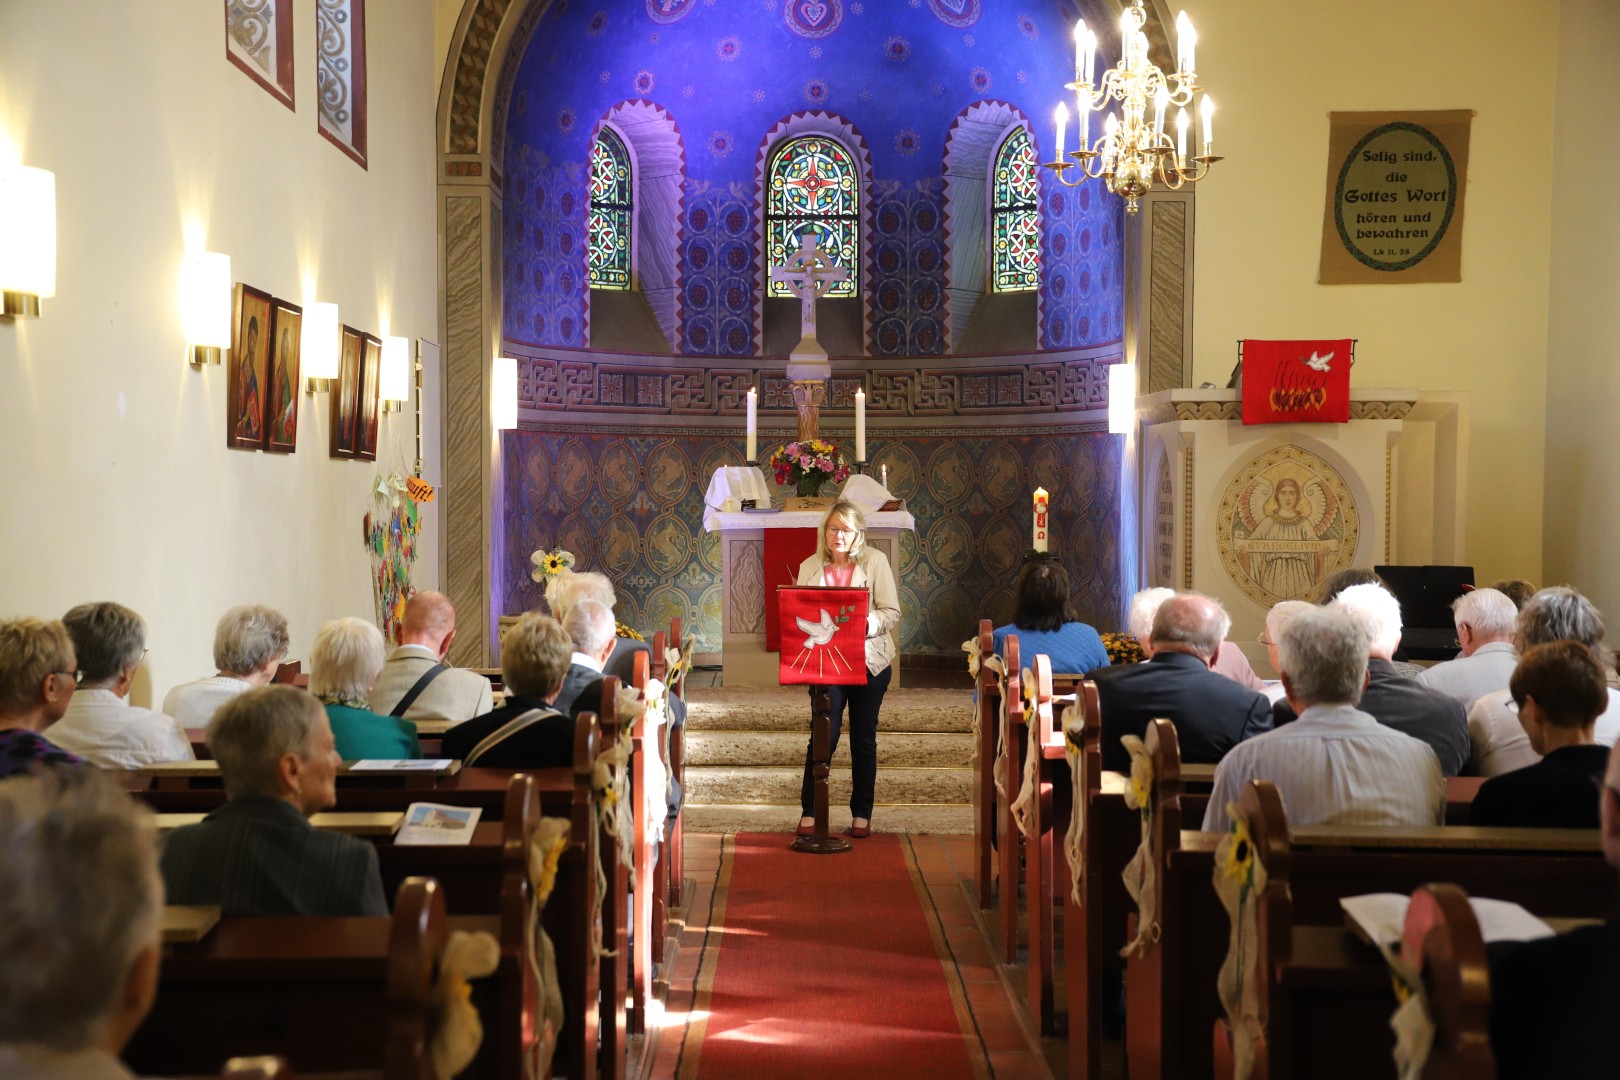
x,y
1286,522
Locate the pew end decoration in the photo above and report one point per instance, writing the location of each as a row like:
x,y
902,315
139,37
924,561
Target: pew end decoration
x,y
1144,788
1258,831
551,841
549,564
458,1031
1442,981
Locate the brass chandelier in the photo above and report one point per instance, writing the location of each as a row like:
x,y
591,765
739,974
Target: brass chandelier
x,y
1132,154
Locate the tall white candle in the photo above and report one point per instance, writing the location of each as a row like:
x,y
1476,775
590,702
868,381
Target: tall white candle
x,y
753,427
1207,107
860,425
885,481
1039,543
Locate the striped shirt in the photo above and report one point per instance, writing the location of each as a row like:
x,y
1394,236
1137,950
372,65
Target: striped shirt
x,y
1335,765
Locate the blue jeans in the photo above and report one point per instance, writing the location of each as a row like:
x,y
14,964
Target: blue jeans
x,y
864,702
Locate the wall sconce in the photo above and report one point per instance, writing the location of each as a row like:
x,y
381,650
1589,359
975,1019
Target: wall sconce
x,y
27,240
504,394
1121,398
394,381
319,346
205,305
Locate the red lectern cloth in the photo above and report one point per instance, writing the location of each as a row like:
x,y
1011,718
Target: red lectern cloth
x,y
1290,381
785,549
823,635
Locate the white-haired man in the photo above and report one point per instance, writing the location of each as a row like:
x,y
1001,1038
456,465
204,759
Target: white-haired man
x,y
1335,764
1212,713
416,683
249,644
100,725
258,854
1229,659
1391,698
82,929
1484,619
590,626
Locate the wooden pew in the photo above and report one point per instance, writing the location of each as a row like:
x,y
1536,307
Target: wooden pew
x,y
675,846
984,783
647,892
1009,839
1172,1003
1326,997
1042,866
614,974
332,994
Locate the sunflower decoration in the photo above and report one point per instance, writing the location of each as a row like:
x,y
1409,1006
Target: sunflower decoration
x,y
548,564
546,851
1123,648
975,654
1026,690
1139,790
1238,864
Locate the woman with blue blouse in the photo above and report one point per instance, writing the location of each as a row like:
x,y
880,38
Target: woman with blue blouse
x,y
1046,622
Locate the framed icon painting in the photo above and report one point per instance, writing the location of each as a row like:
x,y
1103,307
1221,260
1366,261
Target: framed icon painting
x,y
249,368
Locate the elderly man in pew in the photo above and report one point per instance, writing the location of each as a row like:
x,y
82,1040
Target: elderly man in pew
x,y
1497,741
38,674
249,644
590,627
1558,691
100,725
527,732
416,683
1212,713
1392,698
258,854
78,977
1553,1001
1335,764
1484,620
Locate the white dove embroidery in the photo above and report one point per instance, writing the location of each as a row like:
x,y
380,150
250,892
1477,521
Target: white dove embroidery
x,y
819,633
1319,363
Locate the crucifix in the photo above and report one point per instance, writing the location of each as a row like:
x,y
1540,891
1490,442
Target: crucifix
x,y
808,273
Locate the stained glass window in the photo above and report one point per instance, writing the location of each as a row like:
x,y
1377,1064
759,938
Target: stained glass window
x,y
811,188
608,260
1015,223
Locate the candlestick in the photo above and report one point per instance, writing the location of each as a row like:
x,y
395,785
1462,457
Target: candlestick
x,y
753,429
1039,543
885,470
860,425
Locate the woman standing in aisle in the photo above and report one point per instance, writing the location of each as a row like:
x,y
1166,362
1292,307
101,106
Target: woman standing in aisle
x,y
844,561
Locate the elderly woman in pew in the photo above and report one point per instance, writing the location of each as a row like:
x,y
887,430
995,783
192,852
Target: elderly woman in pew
x,y
1558,691
258,854
1045,621
526,732
344,664
37,679
1553,1001
78,978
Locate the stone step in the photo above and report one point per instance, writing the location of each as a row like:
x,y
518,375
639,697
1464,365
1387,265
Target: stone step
x,y
788,709
712,785
950,819
744,748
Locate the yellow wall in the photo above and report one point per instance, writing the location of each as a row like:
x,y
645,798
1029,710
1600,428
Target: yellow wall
x,y
1582,515
1276,68
118,484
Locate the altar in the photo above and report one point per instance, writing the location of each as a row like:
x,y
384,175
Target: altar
x,y
745,593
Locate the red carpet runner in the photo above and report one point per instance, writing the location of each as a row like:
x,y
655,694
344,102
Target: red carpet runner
x,y
828,966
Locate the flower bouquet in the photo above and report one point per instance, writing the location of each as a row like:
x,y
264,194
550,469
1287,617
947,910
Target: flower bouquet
x,y
808,465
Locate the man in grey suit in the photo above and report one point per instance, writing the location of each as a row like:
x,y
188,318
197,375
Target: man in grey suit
x,y
415,683
258,854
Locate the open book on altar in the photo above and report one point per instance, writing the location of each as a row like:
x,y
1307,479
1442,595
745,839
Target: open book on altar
x,y
1380,918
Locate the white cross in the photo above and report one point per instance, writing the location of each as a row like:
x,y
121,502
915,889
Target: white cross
x,y
808,273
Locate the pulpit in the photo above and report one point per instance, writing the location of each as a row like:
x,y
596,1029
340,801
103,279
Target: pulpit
x,y
1256,514
747,587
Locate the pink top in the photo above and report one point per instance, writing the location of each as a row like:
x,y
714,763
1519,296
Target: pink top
x,y
838,576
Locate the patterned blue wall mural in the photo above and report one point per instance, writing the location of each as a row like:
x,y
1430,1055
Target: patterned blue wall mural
x,y
727,71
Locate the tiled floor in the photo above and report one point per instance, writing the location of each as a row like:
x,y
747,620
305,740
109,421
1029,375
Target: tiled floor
x,y
1002,1037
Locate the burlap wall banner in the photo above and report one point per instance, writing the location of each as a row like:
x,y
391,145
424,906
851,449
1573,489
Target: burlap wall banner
x,y
1395,190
